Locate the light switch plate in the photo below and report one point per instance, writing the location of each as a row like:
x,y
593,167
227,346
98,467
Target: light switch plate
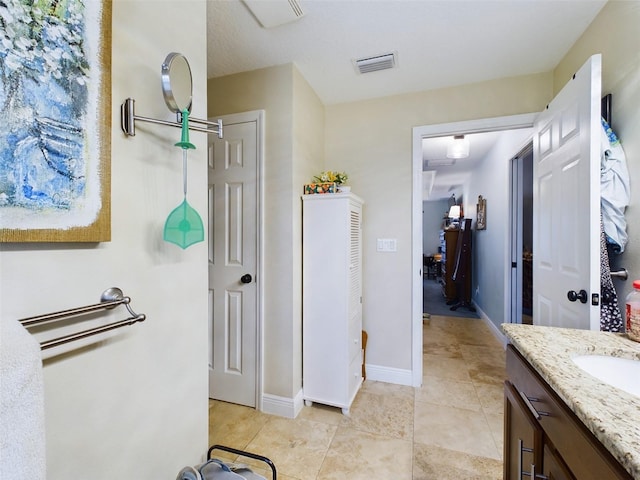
x,y
387,245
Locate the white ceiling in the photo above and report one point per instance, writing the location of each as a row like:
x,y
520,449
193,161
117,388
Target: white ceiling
x,y
440,182
439,43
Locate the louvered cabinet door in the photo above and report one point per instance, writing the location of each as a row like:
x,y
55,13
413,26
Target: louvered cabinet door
x,y
331,298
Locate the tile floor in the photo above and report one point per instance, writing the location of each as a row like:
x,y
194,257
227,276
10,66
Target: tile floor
x,y
450,428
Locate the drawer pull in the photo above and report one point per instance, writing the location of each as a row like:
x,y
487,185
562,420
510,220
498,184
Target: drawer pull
x,y
534,475
530,406
521,449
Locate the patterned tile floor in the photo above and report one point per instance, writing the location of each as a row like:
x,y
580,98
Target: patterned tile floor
x,y
450,428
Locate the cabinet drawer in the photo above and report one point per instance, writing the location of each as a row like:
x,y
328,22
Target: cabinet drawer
x,y
554,467
581,451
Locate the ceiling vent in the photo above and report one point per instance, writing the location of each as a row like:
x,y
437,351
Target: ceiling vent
x,y
441,162
273,13
375,63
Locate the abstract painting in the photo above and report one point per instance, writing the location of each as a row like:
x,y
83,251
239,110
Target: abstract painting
x,y
55,120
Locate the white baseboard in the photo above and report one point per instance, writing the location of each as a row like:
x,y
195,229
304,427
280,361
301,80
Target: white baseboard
x,y
492,326
389,375
291,407
282,406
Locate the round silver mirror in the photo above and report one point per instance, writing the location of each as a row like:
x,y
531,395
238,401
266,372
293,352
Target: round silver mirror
x,y
177,82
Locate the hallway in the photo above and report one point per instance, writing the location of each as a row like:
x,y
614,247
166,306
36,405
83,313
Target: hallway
x,y
450,428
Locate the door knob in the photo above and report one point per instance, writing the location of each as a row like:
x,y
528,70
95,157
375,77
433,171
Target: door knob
x,y
581,295
246,278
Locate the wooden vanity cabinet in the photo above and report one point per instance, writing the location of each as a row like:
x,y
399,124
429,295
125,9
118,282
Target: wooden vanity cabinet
x,y
542,435
522,435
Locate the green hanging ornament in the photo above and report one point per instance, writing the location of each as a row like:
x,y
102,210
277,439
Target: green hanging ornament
x,y
184,226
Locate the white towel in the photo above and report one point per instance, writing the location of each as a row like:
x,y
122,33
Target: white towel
x,y
22,440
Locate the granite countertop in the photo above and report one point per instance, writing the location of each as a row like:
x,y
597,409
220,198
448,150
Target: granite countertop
x,y
612,415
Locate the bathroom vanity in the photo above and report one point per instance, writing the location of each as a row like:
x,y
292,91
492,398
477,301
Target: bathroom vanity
x,y
561,422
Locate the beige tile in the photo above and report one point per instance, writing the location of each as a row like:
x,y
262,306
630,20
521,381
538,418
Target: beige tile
x,y
296,447
455,429
435,463
453,393
450,428
387,389
496,426
356,455
321,413
491,355
390,414
480,372
233,425
447,347
491,397
443,367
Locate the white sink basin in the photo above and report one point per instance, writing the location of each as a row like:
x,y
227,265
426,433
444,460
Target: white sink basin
x,y
621,373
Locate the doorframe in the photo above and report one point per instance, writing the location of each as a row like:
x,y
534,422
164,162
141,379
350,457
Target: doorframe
x,y
257,116
510,122
516,228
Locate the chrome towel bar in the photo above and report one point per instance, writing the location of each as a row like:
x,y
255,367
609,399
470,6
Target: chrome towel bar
x,y
111,298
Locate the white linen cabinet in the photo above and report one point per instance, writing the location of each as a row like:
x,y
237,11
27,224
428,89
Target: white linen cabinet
x,y
331,298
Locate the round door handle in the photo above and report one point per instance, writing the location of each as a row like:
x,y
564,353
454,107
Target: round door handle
x,y
581,295
246,278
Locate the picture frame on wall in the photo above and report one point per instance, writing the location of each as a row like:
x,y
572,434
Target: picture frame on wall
x,y
55,121
481,220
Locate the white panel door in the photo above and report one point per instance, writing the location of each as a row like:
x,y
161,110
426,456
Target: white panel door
x,y
233,247
566,199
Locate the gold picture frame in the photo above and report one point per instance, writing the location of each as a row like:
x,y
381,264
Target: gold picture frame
x,y
55,124
481,219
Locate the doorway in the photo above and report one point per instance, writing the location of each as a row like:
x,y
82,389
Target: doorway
x,y
418,134
521,201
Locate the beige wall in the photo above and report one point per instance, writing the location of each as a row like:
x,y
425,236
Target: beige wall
x,y
134,406
294,119
615,34
372,141
308,160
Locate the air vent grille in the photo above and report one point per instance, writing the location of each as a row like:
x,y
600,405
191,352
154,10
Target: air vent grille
x,y
441,162
297,10
274,13
375,63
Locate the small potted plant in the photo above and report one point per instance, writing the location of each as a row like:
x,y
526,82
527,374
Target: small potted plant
x,y
328,182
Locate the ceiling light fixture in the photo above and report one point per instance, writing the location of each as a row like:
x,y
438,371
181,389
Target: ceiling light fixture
x,y
458,148
454,212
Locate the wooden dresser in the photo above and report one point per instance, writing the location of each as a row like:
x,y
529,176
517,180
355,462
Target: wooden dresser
x,y
448,243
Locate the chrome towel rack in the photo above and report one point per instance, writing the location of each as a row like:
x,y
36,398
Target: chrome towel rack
x,y
110,298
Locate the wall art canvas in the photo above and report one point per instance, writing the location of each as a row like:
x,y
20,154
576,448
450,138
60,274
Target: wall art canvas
x,y
55,120
481,207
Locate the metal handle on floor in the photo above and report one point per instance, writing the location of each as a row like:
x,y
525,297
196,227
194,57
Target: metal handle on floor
x,y
244,454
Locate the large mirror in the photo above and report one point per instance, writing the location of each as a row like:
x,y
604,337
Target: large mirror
x,y
177,82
